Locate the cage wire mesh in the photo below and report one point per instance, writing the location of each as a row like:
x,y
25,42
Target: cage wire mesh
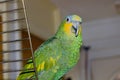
x,y
13,22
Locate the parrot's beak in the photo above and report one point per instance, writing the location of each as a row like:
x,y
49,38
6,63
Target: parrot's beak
x,y
76,27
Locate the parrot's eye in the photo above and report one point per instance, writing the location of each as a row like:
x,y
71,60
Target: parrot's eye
x,y
67,19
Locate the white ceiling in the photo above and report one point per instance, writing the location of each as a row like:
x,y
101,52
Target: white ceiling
x,y
92,11
88,9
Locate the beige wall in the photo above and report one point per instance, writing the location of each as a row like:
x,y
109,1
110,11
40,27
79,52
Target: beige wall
x,y
105,68
43,17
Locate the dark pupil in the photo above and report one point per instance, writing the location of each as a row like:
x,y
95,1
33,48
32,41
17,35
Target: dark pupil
x,y
67,19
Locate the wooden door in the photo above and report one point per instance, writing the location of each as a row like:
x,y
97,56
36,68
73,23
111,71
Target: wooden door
x,y
36,42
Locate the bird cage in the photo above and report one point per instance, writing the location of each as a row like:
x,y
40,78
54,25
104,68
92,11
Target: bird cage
x,y
13,21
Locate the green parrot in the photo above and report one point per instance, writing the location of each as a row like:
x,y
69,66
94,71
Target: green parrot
x,y
56,56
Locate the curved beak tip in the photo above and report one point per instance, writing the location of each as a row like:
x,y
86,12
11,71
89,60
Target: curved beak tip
x,y
76,30
76,33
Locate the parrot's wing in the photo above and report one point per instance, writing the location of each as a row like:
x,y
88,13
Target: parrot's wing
x,y
45,59
27,71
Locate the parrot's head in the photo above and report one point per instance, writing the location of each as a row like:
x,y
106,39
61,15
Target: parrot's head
x,y
71,26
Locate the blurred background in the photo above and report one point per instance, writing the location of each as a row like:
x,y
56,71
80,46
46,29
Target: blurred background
x,y
100,57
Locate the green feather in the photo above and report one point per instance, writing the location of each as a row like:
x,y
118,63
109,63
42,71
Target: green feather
x,y
56,56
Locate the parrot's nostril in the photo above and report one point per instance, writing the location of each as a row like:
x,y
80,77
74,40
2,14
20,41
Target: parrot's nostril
x,y
80,23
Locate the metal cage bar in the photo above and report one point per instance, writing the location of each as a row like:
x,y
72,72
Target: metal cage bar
x,y
27,28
